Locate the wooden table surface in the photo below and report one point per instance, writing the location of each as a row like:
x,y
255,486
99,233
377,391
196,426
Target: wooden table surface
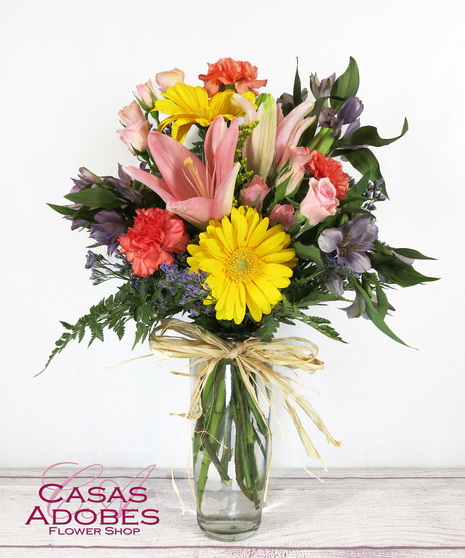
x,y
354,513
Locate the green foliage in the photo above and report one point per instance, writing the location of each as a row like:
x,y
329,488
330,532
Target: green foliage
x,y
345,86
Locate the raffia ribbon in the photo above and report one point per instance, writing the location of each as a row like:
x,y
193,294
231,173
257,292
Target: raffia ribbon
x,y
254,358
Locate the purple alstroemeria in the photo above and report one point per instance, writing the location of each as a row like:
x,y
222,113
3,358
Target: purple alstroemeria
x,y
358,307
349,113
85,178
350,242
321,88
109,227
124,186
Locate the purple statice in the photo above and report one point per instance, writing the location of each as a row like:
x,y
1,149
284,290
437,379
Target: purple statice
x,y
334,274
375,192
109,227
103,269
186,290
351,242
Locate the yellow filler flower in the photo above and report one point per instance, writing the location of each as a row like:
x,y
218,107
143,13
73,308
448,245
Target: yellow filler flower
x,y
190,105
246,261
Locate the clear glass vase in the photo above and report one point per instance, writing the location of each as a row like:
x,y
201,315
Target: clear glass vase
x,y
230,454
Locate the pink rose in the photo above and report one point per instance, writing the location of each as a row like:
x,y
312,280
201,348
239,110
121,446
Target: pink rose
x,y
135,135
254,193
320,201
282,214
146,93
168,79
131,114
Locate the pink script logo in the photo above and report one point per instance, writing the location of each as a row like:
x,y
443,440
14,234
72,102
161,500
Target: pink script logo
x,y
98,505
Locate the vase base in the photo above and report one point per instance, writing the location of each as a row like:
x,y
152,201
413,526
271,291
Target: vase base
x,y
228,530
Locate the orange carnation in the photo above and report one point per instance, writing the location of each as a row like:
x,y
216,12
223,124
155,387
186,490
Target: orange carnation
x,y
231,72
153,239
326,167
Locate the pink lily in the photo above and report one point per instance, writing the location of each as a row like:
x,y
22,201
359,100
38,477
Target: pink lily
x,y
195,191
290,129
285,132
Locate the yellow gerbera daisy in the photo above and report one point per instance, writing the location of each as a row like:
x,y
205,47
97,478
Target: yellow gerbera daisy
x,y
190,105
246,261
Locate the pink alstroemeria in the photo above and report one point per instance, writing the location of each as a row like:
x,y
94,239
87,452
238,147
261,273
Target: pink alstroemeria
x,y
195,191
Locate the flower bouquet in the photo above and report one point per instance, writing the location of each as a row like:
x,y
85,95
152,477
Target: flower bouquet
x,y
239,217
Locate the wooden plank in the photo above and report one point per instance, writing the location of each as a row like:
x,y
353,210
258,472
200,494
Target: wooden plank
x,y
231,551
353,514
295,472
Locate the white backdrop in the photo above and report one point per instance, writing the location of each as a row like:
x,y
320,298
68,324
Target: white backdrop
x,y
66,72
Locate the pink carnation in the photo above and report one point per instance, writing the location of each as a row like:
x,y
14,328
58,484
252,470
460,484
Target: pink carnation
x,y
153,239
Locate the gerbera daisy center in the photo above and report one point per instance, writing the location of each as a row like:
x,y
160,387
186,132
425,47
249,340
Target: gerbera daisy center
x,y
242,264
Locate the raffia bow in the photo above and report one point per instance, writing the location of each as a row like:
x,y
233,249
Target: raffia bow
x,y
254,358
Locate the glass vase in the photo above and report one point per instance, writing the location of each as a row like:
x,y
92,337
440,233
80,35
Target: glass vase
x,y
230,454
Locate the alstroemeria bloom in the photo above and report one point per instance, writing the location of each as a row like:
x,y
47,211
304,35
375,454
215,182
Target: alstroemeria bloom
x,y
195,191
254,193
320,201
169,78
350,242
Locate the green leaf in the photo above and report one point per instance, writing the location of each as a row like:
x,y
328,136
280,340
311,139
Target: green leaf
x,y
62,209
345,86
359,188
307,136
410,253
95,197
362,160
397,271
368,135
308,252
375,316
383,303
297,93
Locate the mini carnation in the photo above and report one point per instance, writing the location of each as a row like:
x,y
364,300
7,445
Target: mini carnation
x,y
231,72
153,239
